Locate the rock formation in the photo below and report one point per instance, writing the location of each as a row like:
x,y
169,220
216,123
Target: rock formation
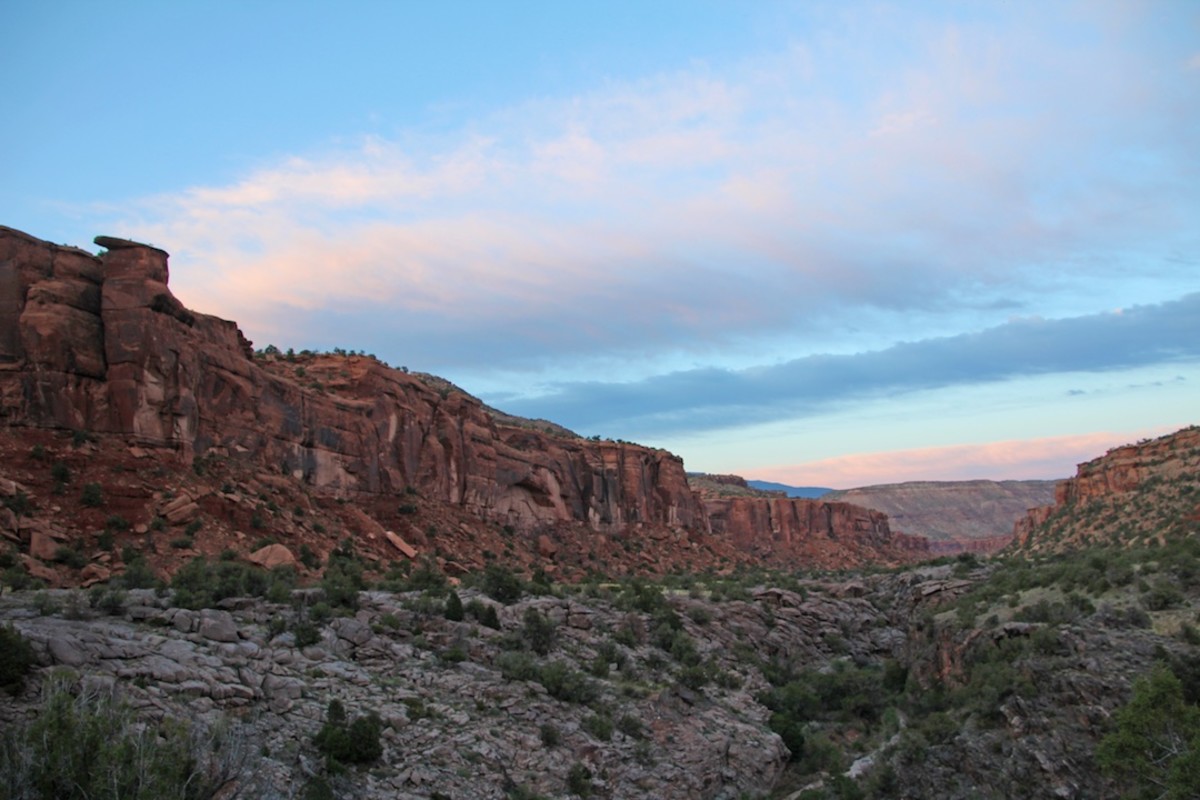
x,y
802,531
99,344
1136,493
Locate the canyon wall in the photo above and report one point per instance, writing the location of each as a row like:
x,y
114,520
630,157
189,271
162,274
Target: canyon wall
x,y
1136,493
100,344
795,530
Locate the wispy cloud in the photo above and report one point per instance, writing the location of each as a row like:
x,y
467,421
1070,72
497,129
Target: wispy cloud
x,y
1032,459
792,193
708,398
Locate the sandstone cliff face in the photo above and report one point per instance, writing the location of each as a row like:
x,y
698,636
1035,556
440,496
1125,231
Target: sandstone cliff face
x,y
782,529
1137,493
101,344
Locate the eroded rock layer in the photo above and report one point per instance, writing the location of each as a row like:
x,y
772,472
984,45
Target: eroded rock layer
x,y
100,344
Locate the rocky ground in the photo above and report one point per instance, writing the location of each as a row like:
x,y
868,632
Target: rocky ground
x,y
626,690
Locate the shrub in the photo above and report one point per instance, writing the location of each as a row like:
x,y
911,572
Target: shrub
x,y
550,734
308,558
354,743
60,472
70,557
454,607
537,631
110,600
1162,596
306,634
579,780
203,584
501,584
16,659
517,666
631,726
92,495
89,747
1153,750
567,684
598,725
138,574
19,503
486,614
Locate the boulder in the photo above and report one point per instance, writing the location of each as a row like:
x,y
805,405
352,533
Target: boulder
x,y
271,556
404,547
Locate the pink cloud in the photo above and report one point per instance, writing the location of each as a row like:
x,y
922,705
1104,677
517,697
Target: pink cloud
x,y
1019,459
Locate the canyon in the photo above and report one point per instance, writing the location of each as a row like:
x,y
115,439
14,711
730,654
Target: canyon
x,y
99,346
245,547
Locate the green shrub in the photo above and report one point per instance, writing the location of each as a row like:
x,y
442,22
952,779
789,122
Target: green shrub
x,y
537,631
92,495
565,683
515,666
70,557
355,743
598,725
202,584
89,747
631,726
306,634
1154,750
550,734
454,607
308,558
1162,596
19,503
501,584
579,780
16,659
486,614
138,574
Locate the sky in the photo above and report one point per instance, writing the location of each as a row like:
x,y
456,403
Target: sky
x,y
826,244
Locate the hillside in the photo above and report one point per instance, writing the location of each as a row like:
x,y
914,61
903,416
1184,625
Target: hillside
x,y
953,515
1138,494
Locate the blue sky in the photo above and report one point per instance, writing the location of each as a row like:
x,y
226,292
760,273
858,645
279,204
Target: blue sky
x,y
820,243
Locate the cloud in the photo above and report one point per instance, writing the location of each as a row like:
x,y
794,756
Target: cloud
x,y
1052,457
888,168
709,398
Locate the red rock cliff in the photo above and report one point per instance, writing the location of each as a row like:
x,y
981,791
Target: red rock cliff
x,y
1135,492
101,344
794,530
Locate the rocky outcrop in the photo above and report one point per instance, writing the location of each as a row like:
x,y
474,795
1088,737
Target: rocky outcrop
x,y
790,530
100,344
1136,493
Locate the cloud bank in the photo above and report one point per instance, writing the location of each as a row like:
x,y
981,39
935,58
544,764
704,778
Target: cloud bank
x,y
887,176
707,398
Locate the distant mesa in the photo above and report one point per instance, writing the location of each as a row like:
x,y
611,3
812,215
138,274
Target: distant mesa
x,y
975,515
812,492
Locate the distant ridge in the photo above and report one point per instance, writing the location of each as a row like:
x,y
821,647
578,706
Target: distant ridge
x,y
959,511
810,492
